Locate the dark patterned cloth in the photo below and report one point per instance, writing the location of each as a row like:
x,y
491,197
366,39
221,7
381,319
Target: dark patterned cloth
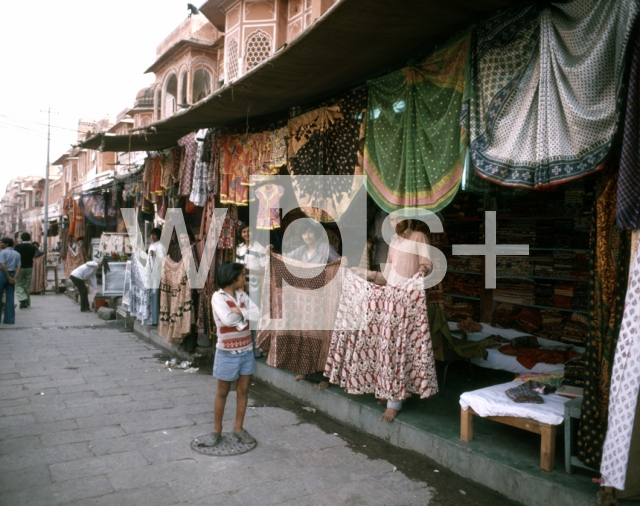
x,y
609,268
295,330
326,141
628,213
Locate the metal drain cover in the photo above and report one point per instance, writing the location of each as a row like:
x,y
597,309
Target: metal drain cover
x,y
228,445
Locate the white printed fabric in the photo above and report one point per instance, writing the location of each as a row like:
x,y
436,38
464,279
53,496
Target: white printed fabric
x,y
545,94
381,343
625,384
140,296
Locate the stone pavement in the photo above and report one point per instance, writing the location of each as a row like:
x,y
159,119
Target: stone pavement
x,y
90,415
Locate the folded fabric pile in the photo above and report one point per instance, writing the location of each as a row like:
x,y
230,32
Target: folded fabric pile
x,y
493,342
562,296
525,342
504,315
574,373
516,266
529,319
529,357
574,331
562,231
459,309
517,232
574,198
468,326
544,294
562,264
544,234
516,291
462,284
529,392
580,266
381,343
554,380
580,235
580,300
543,265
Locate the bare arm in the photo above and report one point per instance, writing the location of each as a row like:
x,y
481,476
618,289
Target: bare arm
x,y
13,280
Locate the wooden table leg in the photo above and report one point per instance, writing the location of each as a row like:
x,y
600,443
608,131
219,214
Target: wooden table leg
x,y
466,424
547,447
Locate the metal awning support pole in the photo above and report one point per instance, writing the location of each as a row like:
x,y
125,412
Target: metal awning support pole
x,y
45,225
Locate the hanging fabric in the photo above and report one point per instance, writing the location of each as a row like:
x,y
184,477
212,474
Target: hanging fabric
x,y
625,384
268,197
234,166
609,267
302,301
278,148
200,185
140,294
176,309
381,343
326,141
414,149
78,213
190,146
545,90
628,214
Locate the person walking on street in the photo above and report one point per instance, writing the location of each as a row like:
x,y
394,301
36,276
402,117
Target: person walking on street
x,y
80,276
9,271
23,282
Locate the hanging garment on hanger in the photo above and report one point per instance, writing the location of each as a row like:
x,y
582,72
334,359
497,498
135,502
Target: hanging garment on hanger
x,y
200,185
545,89
268,197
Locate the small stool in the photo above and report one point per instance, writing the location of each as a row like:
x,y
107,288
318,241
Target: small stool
x,y
572,410
53,268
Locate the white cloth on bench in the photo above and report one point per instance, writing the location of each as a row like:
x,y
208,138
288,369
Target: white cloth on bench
x,y
492,401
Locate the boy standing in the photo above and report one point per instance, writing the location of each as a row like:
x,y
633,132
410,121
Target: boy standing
x,y
234,360
23,281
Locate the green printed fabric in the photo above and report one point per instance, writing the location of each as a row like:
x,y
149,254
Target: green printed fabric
x,y
415,147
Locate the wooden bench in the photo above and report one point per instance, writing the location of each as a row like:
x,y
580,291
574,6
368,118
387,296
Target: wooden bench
x,y
546,431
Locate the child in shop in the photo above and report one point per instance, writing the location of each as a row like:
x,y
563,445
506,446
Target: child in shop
x,y
234,359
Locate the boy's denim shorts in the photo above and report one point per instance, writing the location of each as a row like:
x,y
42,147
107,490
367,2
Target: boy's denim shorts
x,y
229,366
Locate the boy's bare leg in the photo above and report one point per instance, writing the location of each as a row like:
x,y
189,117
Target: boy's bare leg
x,y
242,398
221,400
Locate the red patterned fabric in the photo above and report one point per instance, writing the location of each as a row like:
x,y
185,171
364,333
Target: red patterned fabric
x,y
381,343
529,357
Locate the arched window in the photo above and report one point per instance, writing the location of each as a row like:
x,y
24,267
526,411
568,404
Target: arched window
x,y
183,88
232,60
171,96
201,84
158,105
258,49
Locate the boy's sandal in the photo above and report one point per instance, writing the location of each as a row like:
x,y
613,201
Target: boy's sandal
x,y
244,437
214,440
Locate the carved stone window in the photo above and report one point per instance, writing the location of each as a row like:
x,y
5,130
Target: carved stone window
x,y
258,49
232,60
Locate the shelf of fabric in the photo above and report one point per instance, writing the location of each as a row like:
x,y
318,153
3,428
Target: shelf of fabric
x,y
464,272
539,307
461,296
536,277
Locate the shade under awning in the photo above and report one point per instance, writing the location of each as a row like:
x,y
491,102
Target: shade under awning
x,y
354,41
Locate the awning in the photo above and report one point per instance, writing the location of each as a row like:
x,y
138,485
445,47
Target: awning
x,y
351,43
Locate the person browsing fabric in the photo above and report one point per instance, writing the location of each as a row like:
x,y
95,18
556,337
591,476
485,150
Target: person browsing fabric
x,y
80,276
315,250
27,253
234,360
401,264
9,270
156,254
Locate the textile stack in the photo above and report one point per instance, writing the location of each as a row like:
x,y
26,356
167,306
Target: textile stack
x,y
458,309
517,291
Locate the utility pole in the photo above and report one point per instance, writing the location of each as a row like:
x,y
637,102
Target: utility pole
x,y
45,227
